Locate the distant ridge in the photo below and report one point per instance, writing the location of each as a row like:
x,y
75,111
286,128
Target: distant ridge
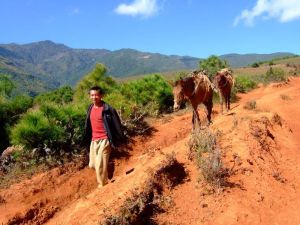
x,y
238,60
51,65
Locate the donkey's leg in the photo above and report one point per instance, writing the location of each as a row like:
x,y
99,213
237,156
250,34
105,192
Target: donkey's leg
x,y
197,117
209,106
228,102
221,101
196,123
193,120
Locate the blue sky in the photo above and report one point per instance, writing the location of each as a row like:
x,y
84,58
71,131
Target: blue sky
x,y
198,28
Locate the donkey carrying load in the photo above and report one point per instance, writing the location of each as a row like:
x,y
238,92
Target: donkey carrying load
x,y
197,89
224,82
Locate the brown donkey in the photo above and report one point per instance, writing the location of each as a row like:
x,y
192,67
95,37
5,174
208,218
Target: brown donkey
x,y
197,89
224,82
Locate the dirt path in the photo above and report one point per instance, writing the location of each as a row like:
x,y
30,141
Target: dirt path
x,y
260,144
45,195
263,143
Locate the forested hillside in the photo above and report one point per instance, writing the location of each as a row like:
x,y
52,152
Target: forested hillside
x,y
45,65
57,64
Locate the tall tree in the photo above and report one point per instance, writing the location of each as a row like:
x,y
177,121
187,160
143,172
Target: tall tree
x,y
212,65
6,86
95,77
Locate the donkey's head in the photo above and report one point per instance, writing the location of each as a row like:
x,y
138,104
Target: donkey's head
x,y
183,89
220,80
178,94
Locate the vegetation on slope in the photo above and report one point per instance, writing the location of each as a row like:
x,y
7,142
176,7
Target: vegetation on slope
x,y
51,126
43,66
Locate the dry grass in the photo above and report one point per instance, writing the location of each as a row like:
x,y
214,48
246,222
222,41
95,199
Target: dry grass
x,y
277,119
201,141
250,105
213,171
292,60
207,155
260,71
278,176
2,200
25,167
235,123
18,173
285,97
251,71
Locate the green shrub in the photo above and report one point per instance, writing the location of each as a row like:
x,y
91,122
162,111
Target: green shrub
x,y
97,77
212,64
6,85
123,105
61,96
34,130
179,75
71,119
20,104
152,94
274,74
271,63
10,111
54,127
244,84
255,65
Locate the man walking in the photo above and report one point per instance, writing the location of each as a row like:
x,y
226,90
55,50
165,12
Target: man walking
x,y
103,131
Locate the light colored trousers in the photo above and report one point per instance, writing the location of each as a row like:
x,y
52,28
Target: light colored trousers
x,y
99,155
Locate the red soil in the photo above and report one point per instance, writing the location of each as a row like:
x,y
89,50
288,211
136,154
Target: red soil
x,y
261,146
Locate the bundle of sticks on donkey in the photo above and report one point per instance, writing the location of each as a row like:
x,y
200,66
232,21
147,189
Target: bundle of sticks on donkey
x,y
197,88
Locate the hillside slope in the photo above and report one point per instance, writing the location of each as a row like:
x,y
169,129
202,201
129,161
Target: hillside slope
x,y
48,65
241,60
259,146
57,64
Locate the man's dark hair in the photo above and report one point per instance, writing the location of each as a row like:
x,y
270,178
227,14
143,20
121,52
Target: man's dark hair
x,y
97,88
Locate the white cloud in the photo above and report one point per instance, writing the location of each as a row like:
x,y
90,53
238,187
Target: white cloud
x,y
283,10
143,8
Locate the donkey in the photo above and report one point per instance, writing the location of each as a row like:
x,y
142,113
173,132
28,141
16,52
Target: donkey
x,y
197,89
224,82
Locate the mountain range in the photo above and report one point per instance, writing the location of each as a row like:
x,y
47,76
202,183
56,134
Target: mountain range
x,y
45,65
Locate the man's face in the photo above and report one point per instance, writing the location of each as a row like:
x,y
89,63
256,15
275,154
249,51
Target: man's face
x,y
95,96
